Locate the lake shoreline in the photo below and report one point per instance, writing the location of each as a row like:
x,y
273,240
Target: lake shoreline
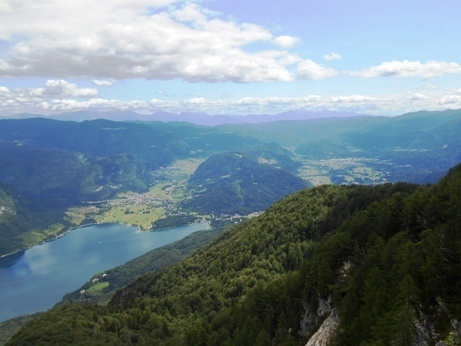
x,y
67,264
70,229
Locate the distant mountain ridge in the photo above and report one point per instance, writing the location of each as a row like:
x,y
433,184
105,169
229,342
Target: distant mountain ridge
x,y
59,164
190,117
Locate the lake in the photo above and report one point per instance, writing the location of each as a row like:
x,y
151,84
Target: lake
x,y
38,278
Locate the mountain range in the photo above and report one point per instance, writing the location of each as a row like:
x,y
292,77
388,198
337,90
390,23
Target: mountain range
x,y
189,117
53,165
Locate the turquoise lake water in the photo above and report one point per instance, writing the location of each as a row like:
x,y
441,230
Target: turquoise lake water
x,y
38,278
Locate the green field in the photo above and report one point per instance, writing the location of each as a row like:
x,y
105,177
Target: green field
x,y
142,209
34,237
136,215
96,288
350,170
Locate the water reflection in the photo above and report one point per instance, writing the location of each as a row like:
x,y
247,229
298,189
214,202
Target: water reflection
x,y
19,269
36,279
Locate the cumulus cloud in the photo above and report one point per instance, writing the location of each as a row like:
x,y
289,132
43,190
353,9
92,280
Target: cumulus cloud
x,y
49,98
310,70
450,100
135,39
417,96
408,68
19,101
102,82
332,56
95,103
286,41
58,88
251,104
352,99
196,100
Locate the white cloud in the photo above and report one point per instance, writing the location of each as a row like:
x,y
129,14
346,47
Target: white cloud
x,y
332,56
417,96
60,96
96,103
58,88
135,39
102,82
451,100
408,68
352,99
245,105
310,70
286,41
19,101
196,101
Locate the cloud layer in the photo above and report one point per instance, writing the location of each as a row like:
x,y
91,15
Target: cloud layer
x,y
137,39
408,68
80,54
61,96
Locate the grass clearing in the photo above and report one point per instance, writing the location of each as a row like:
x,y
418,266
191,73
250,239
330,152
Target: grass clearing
x,y
76,215
136,215
34,237
96,288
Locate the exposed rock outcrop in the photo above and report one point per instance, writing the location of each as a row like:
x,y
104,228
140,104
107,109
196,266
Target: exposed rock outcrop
x,y
325,315
324,334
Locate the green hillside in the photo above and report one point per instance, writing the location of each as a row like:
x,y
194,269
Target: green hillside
x,y
60,177
381,265
21,218
229,183
273,154
97,138
156,144
41,183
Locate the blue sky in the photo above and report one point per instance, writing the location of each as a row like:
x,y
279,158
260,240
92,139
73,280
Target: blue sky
x,y
230,57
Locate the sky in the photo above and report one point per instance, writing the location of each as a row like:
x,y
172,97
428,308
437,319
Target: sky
x,y
379,57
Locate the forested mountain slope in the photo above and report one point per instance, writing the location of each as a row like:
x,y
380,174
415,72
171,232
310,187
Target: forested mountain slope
x,y
59,178
229,183
156,144
18,215
381,265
